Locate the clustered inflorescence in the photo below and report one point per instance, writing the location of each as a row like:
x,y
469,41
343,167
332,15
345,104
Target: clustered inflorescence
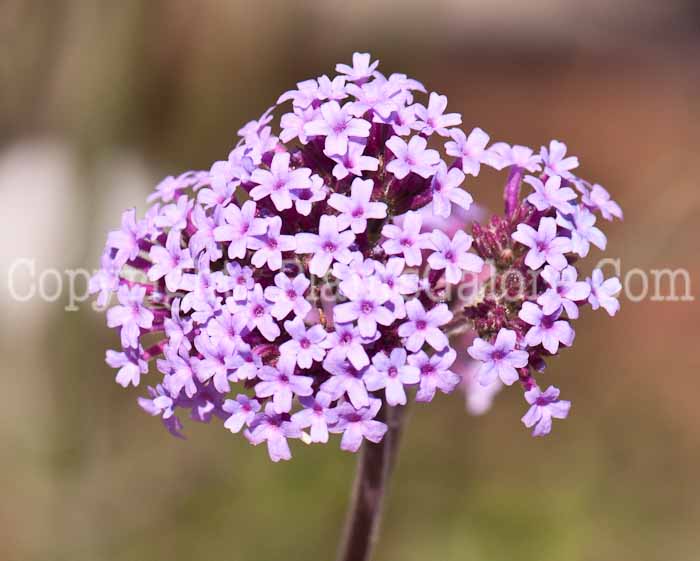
x,y
295,289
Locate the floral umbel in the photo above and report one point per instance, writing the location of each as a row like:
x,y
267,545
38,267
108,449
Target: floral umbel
x,y
300,287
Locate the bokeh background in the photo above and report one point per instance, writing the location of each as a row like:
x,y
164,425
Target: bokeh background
x,y
99,99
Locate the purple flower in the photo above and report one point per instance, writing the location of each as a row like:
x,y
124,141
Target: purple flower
x,y
338,126
279,180
358,266
269,248
550,194
433,118
223,187
272,428
504,155
199,286
105,281
181,374
399,283
242,411
358,424
357,208
554,161
258,311
423,326
131,316
391,373
244,364
204,307
346,342
304,199
260,143
453,255
126,240
373,97
479,399
169,188
345,380
366,306
361,69
500,360
228,326
411,157
293,124
306,345
402,119
252,128
169,261
545,406
434,373
564,291
224,177
446,190
354,162
407,240
174,215
212,365
288,295
471,150
599,199
546,330
130,365
163,406
317,414
240,226
282,384
604,292
238,279
305,94
331,89
583,232
329,244
177,328
545,246
202,241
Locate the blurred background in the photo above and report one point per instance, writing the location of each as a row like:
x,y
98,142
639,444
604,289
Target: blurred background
x,y
100,99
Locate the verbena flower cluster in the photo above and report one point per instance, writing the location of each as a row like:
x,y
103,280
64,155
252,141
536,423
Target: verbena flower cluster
x,y
294,289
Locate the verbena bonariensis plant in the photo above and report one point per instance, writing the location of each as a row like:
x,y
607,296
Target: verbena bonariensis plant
x,y
293,290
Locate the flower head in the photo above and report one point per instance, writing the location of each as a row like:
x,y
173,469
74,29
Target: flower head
x,y
314,274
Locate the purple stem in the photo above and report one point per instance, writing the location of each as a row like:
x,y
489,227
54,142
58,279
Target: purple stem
x,y
374,469
511,192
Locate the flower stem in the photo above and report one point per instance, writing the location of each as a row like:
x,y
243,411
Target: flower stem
x,y
511,192
374,469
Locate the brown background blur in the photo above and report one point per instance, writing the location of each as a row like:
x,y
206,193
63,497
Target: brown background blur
x,y
99,99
